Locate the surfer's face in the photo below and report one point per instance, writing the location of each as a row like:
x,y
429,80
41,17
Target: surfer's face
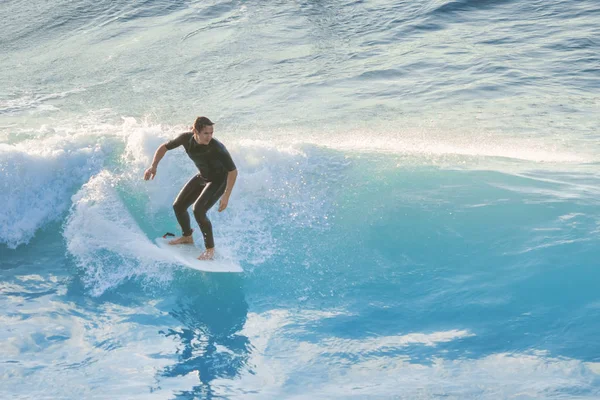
x,y
204,136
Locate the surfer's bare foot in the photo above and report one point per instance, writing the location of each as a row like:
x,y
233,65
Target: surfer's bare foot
x,y
207,255
183,240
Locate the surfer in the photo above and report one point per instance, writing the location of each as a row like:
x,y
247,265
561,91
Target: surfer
x,y
215,180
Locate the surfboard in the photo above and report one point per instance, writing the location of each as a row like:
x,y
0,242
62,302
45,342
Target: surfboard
x,y
187,256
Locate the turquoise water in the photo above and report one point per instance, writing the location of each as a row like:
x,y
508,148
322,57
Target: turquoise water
x,y
417,210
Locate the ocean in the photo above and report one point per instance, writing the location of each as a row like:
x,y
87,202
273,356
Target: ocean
x,y
417,211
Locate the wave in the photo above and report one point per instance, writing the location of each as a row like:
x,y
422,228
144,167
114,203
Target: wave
x,y
281,180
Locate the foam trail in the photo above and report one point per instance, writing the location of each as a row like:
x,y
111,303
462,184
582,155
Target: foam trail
x,y
106,241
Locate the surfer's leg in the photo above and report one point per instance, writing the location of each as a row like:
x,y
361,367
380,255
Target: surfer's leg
x,y
207,199
186,197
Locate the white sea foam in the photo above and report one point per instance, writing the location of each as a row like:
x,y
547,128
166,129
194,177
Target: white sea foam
x,y
431,146
381,367
33,101
42,170
37,178
62,351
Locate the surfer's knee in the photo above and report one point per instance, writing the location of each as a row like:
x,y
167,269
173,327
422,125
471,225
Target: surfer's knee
x,y
199,213
178,207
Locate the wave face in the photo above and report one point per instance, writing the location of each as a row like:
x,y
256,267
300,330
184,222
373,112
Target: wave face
x,y
416,211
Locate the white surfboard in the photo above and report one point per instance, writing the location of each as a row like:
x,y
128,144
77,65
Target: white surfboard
x,y
187,255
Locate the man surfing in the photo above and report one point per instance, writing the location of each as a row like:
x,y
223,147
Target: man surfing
x,y
216,178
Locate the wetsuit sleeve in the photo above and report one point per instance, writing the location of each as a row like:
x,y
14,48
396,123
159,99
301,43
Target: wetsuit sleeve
x,y
178,141
226,159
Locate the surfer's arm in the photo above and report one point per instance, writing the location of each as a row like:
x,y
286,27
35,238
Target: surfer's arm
x,y
158,155
231,177
161,151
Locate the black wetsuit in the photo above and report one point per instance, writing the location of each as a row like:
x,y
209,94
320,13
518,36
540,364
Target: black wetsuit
x,y
203,190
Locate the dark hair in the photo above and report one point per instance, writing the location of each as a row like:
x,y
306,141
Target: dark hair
x,y
201,122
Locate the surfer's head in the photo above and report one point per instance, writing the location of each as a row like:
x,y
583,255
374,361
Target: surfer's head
x,y
203,130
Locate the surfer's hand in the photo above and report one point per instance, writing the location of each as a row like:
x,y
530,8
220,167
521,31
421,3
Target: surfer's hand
x,y
223,203
150,173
